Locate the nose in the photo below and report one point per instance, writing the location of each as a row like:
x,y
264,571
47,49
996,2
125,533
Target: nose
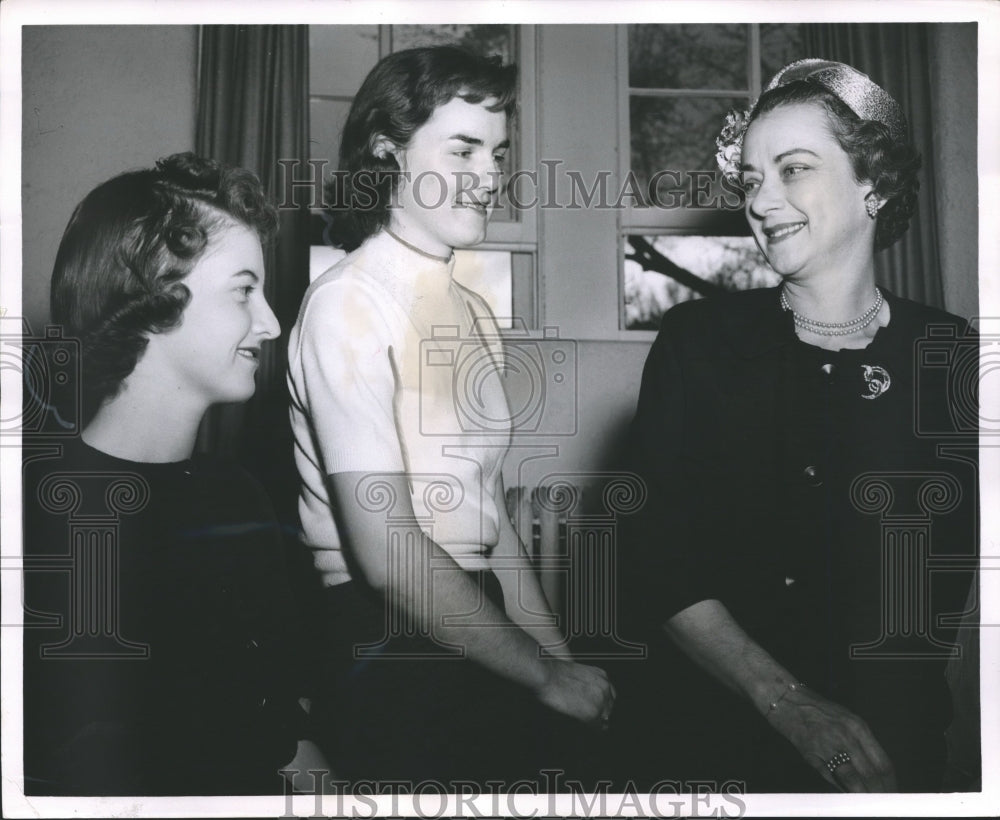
x,y
489,173
766,198
265,323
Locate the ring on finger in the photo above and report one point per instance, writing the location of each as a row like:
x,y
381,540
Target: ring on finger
x,y
837,761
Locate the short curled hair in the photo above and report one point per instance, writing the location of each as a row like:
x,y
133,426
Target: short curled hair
x,y
890,164
397,97
119,272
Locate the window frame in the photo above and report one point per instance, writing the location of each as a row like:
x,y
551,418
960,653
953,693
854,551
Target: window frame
x,y
653,221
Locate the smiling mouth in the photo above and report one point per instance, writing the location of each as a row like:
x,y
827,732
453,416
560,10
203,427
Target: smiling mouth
x,y
778,232
473,205
251,353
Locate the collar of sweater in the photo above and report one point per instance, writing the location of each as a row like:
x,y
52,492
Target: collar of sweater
x,y
406,272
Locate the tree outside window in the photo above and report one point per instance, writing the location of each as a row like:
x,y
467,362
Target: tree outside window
x,y
685,236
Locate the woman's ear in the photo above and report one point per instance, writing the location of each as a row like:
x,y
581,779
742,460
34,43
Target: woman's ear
x,y
383,147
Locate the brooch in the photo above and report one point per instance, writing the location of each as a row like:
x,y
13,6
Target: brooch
x,y
877,379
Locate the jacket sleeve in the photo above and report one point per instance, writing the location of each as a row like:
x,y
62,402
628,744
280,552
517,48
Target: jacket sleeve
x,y
664,568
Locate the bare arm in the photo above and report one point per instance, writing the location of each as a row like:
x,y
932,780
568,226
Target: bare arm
x,y
525,601
817,727
578,691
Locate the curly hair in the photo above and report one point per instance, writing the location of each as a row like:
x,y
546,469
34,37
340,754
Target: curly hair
x,y
122,260
397,97
890,164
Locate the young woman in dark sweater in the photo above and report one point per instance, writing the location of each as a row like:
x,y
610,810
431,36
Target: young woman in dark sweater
x,y
166,666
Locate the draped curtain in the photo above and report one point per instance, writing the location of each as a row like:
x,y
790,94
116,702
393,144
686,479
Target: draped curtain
x,y
253,110
903,59
897,57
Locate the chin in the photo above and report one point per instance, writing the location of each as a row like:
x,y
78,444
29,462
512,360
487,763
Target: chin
x,y
467,239
783,267
469,232
238,394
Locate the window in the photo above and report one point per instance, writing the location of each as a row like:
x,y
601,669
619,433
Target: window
x,y
503,267
683,234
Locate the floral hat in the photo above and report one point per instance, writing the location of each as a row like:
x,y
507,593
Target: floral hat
x,y
856,90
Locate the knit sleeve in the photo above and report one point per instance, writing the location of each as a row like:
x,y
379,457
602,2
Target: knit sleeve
x,y
345,379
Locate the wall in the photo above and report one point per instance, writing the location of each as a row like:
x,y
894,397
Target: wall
x,y
98,100
577,253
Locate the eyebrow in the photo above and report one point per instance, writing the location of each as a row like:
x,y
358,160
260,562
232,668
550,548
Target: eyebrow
x,y
784,154
746,166
249,273
475,140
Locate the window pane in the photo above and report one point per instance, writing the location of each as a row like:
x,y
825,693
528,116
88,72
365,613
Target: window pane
x,y
483,39
661,271
780,44
676,133
689,56
322,258
326,124
340,57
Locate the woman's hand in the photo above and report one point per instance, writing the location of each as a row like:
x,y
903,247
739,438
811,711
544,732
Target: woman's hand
x,y
579,691
820,729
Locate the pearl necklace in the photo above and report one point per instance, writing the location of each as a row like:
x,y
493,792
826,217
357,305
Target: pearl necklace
x,y
835,328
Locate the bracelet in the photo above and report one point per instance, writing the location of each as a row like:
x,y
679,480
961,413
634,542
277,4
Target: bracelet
x,y
791,687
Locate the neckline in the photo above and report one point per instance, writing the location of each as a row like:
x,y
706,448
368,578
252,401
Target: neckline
x,y
874,344
415,249
164,467
408,276
834,330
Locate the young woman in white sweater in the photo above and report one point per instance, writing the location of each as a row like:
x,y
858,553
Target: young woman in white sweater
x,y
402,500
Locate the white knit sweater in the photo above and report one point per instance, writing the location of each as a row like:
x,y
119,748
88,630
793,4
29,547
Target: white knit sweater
x,y
396,368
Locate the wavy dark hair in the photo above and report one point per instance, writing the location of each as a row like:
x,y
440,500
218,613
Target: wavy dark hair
x,y
890,164
119,271
397,97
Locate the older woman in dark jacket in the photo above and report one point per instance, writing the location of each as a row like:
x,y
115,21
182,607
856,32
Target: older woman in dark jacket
x,y
808,523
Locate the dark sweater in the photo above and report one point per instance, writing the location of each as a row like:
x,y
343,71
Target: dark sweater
x,y
158,660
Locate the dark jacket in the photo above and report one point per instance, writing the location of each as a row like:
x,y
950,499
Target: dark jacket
x,y
826,498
